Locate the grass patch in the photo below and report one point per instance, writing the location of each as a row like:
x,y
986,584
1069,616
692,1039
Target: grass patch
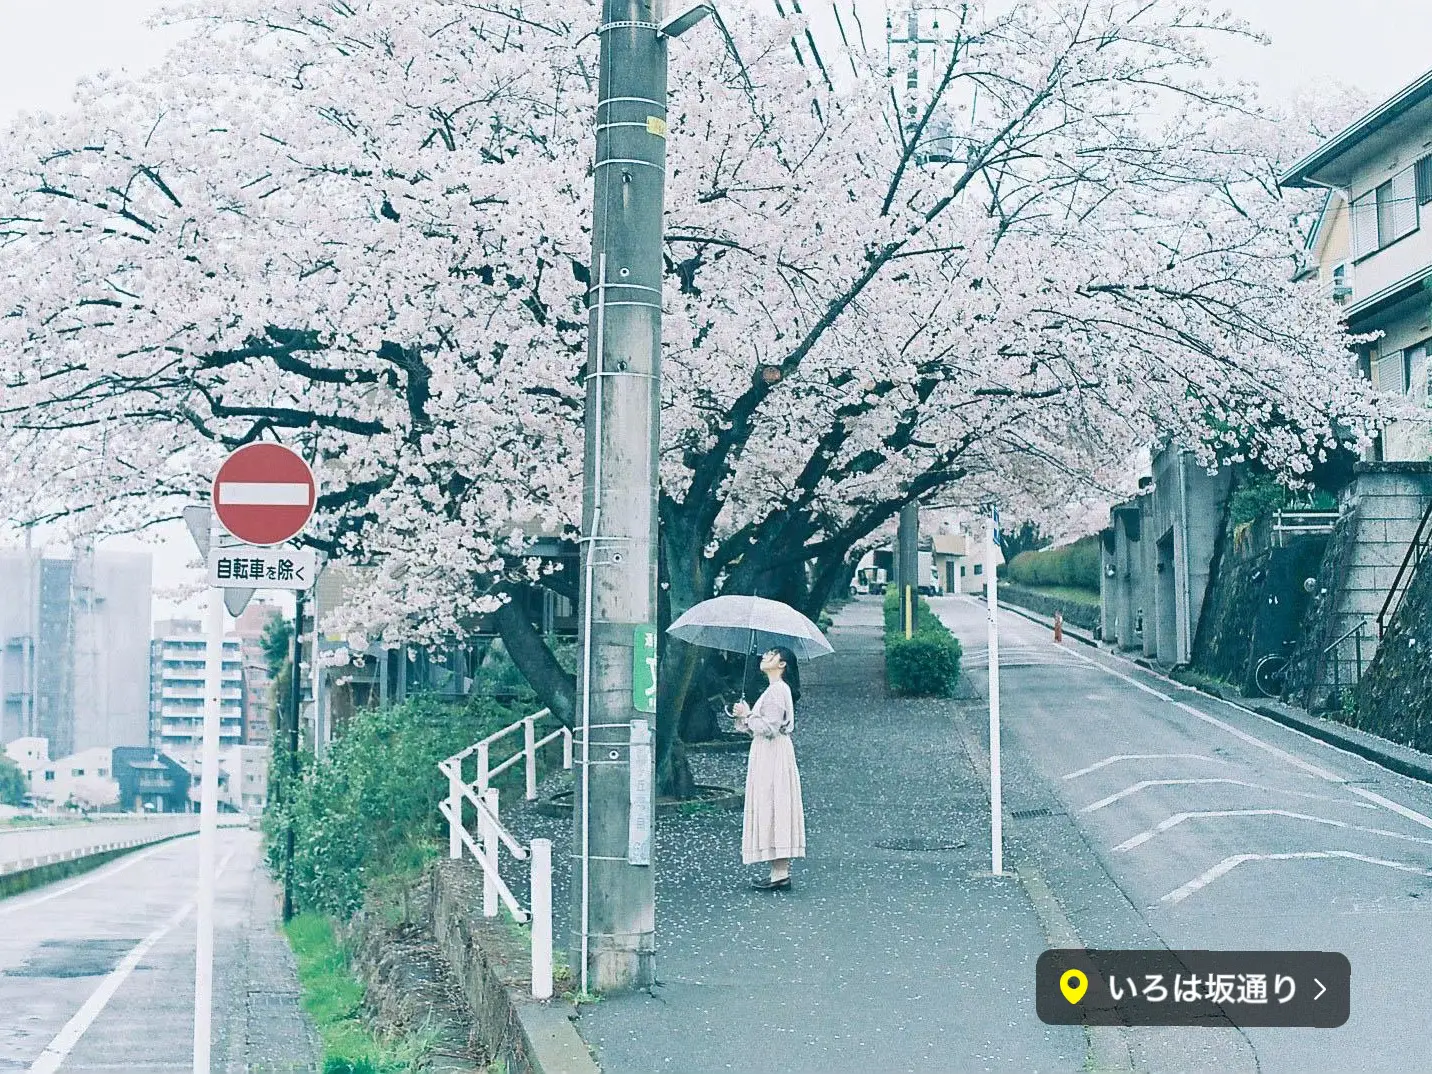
x,y
333,997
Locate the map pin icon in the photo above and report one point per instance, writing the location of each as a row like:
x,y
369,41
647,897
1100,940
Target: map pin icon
x,y
1073,984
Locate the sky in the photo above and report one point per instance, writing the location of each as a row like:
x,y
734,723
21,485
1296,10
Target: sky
x,y
1376,46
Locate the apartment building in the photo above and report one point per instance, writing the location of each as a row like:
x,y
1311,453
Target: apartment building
x,y
74,660
1372,249
176,720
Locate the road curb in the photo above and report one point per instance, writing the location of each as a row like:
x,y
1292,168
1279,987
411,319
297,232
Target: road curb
x,y
1390,755
1106,1048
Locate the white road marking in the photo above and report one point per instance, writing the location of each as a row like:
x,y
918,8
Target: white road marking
x,y
1145,783
1141,757
1227,865
9,906
1400,810
264,493
1178,818
58,1050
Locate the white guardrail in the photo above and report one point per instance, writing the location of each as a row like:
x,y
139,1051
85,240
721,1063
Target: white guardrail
x,y
492,835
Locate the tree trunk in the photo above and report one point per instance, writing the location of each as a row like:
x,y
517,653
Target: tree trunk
x,y
686,578
555,687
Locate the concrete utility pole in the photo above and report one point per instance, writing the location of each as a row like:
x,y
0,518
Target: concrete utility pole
x,y
613,938
909,565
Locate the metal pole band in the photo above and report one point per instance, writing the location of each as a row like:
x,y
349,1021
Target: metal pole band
x,y
604,27
628,160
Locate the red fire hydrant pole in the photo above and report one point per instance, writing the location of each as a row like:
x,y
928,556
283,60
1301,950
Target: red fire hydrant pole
x,y
1058,627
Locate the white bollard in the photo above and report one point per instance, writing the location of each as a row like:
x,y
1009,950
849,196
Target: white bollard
x,y
482,768
529,743
541,919
489,851
455,811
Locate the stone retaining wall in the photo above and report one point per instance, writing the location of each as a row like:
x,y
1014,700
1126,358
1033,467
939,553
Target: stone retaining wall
x,y
1083,616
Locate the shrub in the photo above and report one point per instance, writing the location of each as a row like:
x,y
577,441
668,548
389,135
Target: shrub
x,y
369,809
1074,565
927,664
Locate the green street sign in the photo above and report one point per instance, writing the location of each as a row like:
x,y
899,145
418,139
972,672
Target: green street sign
x,y
643,669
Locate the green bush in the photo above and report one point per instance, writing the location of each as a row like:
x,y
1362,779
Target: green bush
x,y
369,809
1072,565
1256,499
927,664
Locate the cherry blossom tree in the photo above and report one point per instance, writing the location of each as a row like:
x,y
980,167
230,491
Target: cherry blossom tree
x,y
361,227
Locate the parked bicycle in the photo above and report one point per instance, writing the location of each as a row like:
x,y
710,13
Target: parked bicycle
x,y
1271,671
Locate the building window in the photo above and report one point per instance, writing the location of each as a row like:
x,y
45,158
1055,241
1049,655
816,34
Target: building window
x,y
102,773
1382,216
49,775
1424,180
979,568
1415,371
77,771
1387,373
962,570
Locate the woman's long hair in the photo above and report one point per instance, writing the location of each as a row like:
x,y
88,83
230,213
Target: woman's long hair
x,y
792,674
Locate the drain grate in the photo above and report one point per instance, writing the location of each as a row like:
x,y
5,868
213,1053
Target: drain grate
x,y
1030,814
921,844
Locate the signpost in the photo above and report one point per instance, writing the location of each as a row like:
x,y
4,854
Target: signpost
x,y
263,495
996,791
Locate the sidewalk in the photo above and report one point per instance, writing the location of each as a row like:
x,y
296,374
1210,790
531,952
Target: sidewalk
x,y
883,959
259,1026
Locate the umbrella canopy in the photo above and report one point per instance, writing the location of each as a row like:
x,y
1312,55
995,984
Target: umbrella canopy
x,y
741,624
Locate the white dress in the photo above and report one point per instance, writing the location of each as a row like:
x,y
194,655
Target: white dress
x,y
775,817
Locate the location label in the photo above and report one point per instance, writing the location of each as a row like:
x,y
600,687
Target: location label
x,y
1193,988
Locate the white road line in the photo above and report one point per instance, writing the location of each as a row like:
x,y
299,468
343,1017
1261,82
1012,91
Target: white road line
x,y
1281,754
1227,865
9,906
1400,810
1146,783
1141,757
1178,818
58,1050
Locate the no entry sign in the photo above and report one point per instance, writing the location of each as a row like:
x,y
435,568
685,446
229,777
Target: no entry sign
x,y
264,493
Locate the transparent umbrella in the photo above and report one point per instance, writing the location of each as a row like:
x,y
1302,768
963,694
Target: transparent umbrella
x,y
744,624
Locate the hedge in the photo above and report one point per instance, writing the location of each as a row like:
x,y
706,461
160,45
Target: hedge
x,y
927,664
1075,565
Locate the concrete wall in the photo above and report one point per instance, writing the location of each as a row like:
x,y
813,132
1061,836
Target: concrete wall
x,y
1164,541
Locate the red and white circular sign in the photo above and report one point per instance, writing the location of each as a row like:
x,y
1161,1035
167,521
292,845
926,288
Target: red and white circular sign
x,y
264,493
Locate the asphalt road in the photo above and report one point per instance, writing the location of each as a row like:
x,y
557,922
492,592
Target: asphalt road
x,y
1161,817
97,971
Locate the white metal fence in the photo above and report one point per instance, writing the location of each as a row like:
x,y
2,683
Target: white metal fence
x,y
492,835
1290,524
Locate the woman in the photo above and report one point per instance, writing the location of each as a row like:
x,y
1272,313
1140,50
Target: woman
x,y
774,830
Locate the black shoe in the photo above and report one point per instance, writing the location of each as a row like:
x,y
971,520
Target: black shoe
x,y
773,885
